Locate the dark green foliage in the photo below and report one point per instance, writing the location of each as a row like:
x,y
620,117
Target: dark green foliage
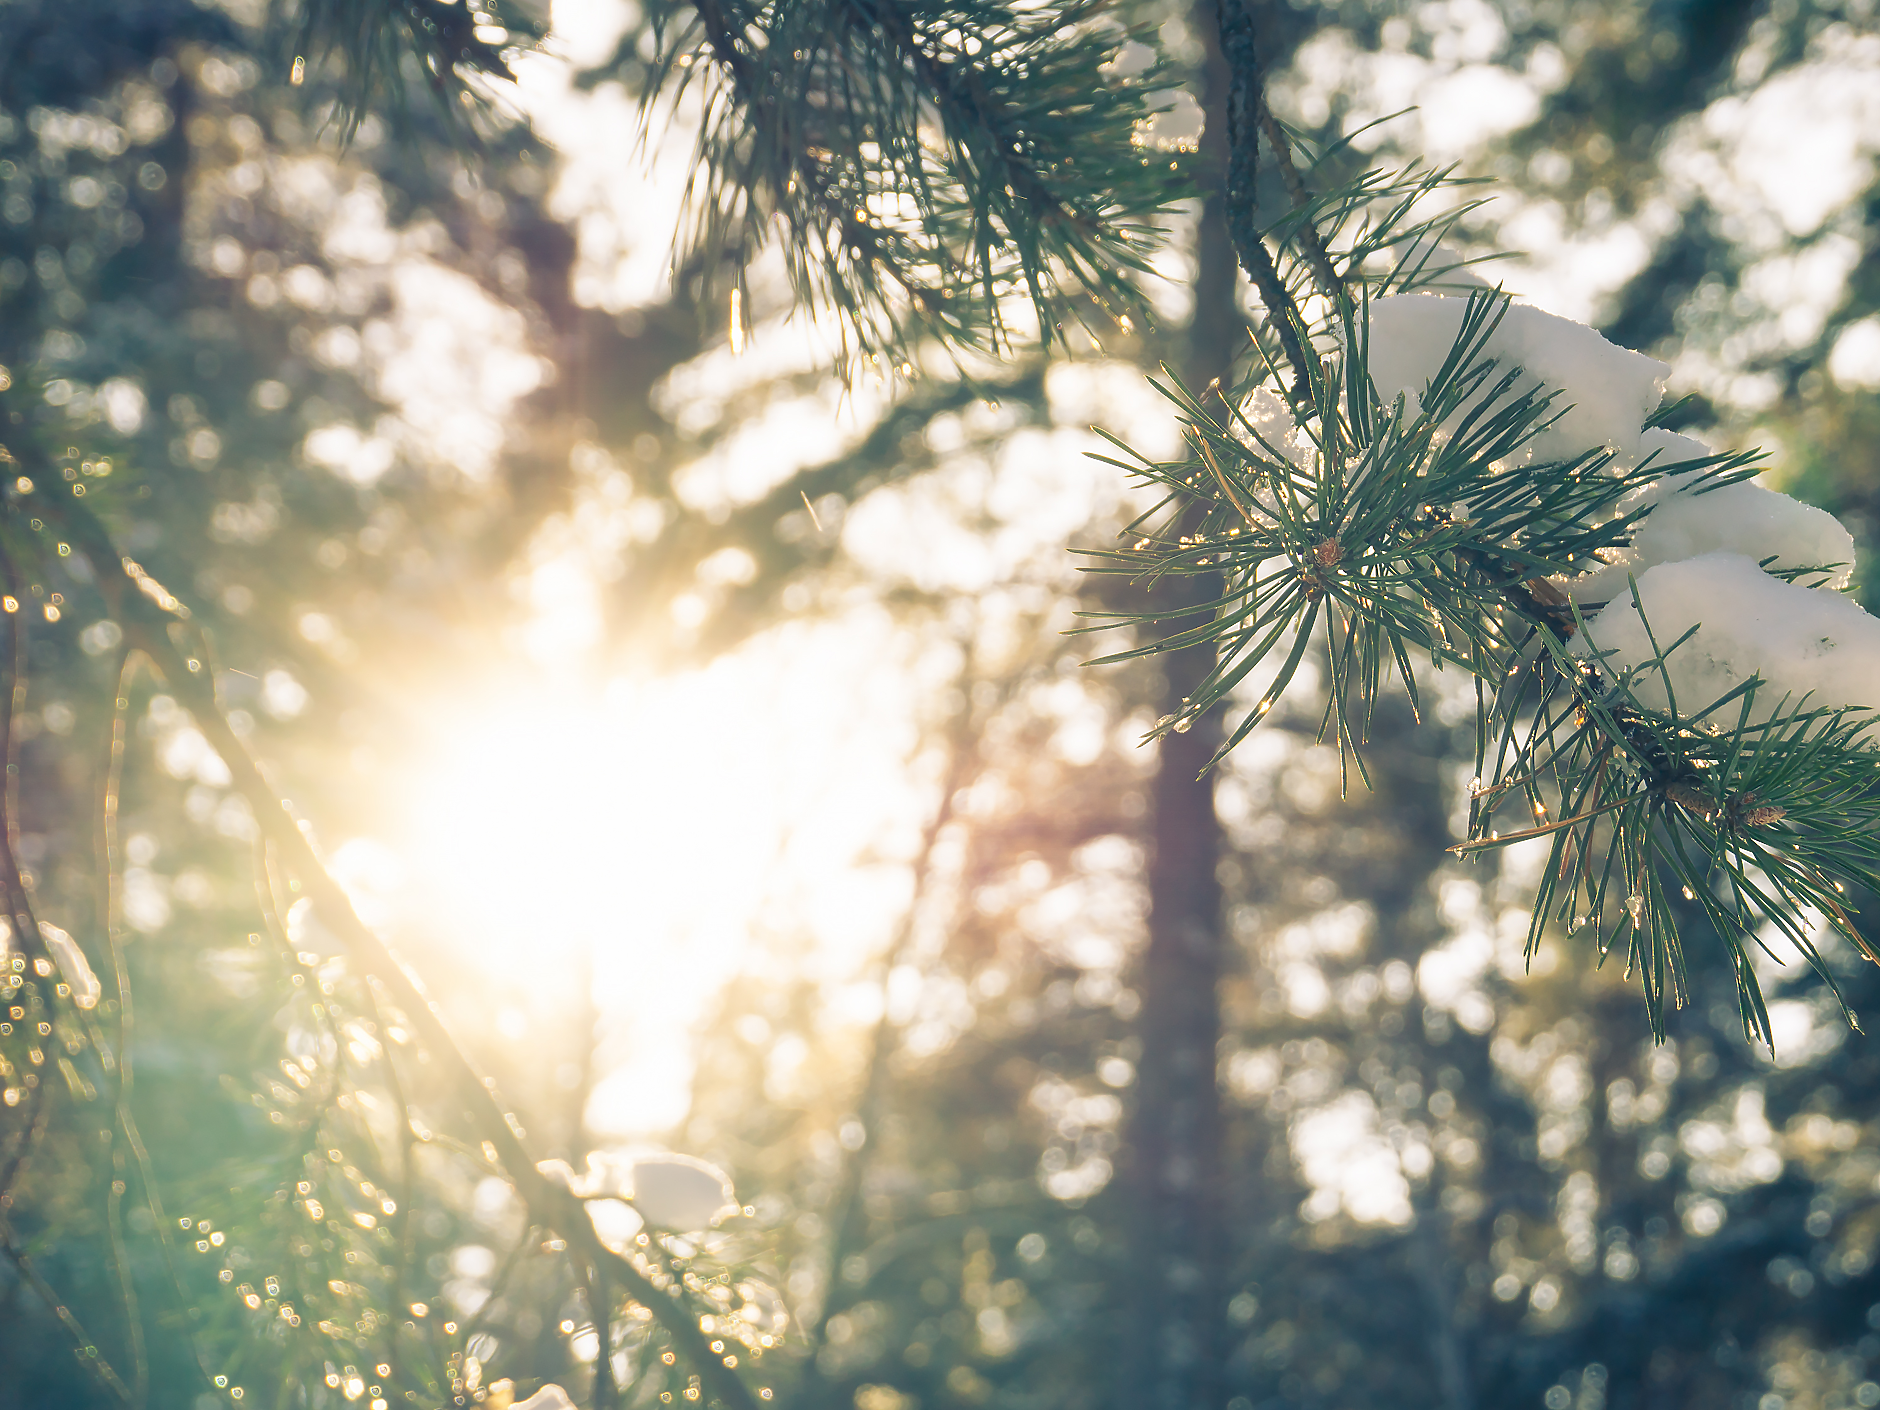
x,y
924,163
384,49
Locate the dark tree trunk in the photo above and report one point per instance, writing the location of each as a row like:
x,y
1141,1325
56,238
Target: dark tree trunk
x,y
1175,1343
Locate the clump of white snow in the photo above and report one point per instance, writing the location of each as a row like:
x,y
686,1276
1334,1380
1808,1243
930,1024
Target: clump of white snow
x,y
1800,641
669,1191
616,1223
1687,520
681,1192
1266,425
502,1396
86,990
1606,391
1699,550
73,966
1666,451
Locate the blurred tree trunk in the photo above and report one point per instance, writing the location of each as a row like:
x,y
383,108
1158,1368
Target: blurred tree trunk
x,y
1175,1339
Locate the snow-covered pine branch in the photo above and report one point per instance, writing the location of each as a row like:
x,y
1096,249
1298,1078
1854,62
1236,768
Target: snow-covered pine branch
x,y
1677,691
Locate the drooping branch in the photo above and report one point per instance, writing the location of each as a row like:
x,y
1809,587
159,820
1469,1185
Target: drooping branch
x,y
19,902
960,91
118,1059
958,159
382,47
158,634
803,162
847,1221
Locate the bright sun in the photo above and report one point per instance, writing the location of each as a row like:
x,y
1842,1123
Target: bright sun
x,y
545,840
638,840
561,827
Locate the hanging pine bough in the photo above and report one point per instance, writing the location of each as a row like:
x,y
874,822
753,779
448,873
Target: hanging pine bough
x,y
1467,480
382,51
927,171
924,167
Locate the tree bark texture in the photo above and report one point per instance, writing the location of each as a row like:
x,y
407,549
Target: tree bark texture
x,y
1175,1342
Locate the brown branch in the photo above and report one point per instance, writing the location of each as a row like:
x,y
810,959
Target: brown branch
x,y
1316,254
31,943
1245,100
156,633
407,1187
19,900
110,912
604,1394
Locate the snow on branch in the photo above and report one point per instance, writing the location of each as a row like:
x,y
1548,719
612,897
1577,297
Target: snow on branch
x,y
1675,689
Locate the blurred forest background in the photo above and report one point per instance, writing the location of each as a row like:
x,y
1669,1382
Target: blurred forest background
x,y
703,730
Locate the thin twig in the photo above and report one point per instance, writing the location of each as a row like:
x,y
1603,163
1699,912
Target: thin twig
x,y
1240,190
86,1349
32,943
1462,849
1308,234
1226,488
594,1275
871,241
109,908
407,1182
499,1285
26,933
120,971
957,85
22,1152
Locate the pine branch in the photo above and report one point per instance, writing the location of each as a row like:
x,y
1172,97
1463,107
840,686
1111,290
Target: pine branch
x,y
1440,530
1316,254
929,163
451,44
133,600
805,163
1780,811
1245,103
